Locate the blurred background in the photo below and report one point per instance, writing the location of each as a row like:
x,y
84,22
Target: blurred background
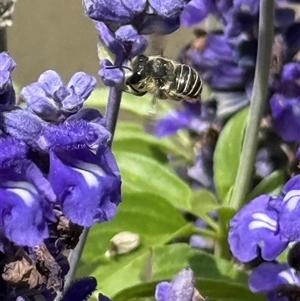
x,y
56,34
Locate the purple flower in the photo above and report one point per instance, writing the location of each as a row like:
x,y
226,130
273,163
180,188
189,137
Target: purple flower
x,y
254,231
289,223
197,10
88,186
57,174
51,100
181,288
103,298
270,276
7,93
219,63
80,290
198,241
193,116
285,103
145,16
24,211
125,43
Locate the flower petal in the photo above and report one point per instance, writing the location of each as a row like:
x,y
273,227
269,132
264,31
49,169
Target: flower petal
x,y
88,190
80,289
21,208
254,231
268,275
110,77
74,134
286,115
83,84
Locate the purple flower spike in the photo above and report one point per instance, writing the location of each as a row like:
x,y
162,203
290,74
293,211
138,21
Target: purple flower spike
x,y
87,185
51,100
7,65
196,11
110,76
167,8
125,44
7,93
75,134
120,12
22,210
181,288
153,16
130,39
12,152
268,275
193,117
254,231
286,116
289,221
83,84
171,123
218,63
23,125
80,289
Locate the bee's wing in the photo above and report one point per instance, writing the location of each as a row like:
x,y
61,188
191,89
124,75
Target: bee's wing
x,y
156,44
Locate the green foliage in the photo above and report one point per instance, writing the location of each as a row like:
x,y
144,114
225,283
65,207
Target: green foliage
x,y
154,198
140,106
227,153
132,138
268,185
217,290
141,173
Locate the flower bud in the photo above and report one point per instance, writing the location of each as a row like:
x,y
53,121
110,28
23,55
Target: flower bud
x,y
122,243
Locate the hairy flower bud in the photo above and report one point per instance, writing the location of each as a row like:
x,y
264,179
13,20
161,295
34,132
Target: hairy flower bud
x,y
122,243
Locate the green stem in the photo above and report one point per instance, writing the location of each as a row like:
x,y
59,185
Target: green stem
x,y
205,233
211,222
258,100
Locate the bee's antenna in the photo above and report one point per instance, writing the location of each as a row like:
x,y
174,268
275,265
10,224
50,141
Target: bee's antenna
x,y
115,67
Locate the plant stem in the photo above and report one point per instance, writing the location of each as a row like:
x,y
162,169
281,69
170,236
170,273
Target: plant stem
x,y
3,39
112,111
111,114
258,100
205,233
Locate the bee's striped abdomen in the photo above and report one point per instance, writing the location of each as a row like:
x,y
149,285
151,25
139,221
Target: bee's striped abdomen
x,y
187,82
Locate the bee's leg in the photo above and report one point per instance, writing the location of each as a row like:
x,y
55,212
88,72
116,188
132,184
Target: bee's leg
x,y
154,106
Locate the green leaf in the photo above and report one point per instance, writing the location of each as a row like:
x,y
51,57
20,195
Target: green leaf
x,y
267,185
153,218
132,138
203,202
222,248
140,106
220,290
140,173
203,264
166,261
215,290
228,151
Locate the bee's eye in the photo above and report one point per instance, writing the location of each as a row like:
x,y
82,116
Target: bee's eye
x,y
135,78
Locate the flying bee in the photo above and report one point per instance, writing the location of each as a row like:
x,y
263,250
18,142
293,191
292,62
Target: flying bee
x,y
165,78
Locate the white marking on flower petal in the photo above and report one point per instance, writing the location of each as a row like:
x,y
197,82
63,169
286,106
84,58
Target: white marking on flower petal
x,y
292,198
89,177
261,220
90,167
26,196
290,276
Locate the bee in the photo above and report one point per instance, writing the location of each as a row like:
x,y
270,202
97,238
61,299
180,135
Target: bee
x,y
165,78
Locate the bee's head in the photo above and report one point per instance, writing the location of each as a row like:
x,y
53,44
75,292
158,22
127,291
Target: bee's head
x,y
139,68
